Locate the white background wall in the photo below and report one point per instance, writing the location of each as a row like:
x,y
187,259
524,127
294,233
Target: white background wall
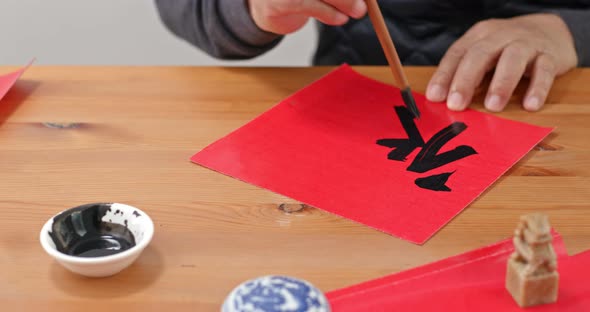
x,y
114,32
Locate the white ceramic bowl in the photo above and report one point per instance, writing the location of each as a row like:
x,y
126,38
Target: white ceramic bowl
x,y
134,220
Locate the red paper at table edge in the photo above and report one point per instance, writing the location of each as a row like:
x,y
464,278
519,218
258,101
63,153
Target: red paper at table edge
x,y
11,79
505,245
362,291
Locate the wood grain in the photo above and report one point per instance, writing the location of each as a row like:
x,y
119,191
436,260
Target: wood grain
x,y
134,129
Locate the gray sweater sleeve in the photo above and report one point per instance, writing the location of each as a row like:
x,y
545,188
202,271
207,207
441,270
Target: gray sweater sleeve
x,y
578,21
222,28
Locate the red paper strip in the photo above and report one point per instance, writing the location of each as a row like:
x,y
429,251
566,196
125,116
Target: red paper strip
x,y
8,80
347,145
473,281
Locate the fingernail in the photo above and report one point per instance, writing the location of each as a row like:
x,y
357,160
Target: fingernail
x,y
435,93
532,103
493,103
359,9
455,101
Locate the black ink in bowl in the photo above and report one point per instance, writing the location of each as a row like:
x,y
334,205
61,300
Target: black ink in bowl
x,y
82,232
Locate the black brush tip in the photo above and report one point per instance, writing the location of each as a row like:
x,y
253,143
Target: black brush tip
x,y
410,102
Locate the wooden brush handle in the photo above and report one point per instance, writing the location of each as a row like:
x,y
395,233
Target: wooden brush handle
x,y
386,43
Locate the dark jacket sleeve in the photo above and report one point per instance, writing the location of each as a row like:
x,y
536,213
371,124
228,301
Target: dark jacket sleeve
x,y
222,28
578,21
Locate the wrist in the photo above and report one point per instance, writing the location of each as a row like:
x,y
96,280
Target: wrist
x,y
255,15
579,28
239,22
556,28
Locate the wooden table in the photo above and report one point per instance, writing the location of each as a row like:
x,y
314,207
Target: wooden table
x,y
134,129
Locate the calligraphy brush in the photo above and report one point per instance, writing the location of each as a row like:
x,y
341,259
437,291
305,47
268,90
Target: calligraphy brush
x,y
391,54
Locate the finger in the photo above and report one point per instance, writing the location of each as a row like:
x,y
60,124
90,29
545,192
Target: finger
x,y
323,12
543,75
440,82
352,8
478,60
441,79
510,69
481,57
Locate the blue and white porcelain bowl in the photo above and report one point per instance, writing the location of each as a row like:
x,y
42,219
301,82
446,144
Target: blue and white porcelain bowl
x,y
276,294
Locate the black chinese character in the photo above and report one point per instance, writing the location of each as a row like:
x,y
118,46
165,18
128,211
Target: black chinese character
x,y
428,157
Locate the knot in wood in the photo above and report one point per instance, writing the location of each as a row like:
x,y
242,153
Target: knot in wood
x,y
292,207
61,125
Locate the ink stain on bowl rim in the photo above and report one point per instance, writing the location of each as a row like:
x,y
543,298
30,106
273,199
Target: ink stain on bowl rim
x,y
96,233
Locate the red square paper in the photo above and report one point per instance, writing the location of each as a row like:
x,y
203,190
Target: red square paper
x,y
339,145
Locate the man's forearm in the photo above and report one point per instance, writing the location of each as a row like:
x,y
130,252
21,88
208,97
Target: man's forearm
x,y
222,28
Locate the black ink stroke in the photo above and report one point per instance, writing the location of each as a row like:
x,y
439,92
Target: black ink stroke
x,y
403,147
435,182
428,159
